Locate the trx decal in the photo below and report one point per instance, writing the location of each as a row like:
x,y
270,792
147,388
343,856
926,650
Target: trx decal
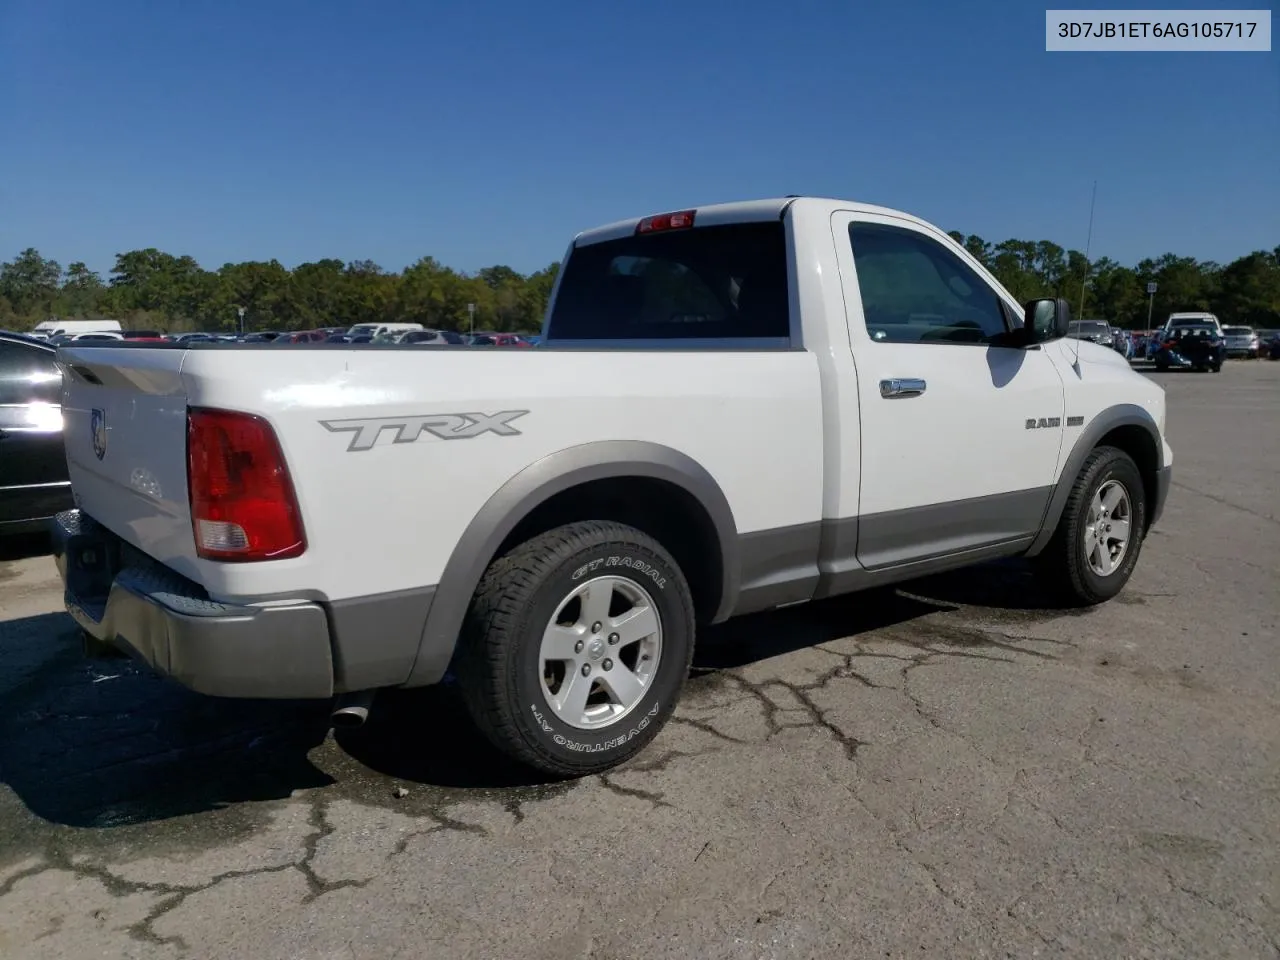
x,y
445,426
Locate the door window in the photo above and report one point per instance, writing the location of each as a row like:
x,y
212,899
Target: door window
x,y
914,290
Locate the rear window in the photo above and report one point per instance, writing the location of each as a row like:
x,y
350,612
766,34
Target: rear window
x,y
721,282
1237,331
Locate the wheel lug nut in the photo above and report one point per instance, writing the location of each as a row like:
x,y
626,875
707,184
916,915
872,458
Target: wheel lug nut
x,y
595,627
586,669
613,638
577,647
608,664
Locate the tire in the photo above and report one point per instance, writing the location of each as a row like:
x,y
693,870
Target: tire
x,y
1066,566
522,697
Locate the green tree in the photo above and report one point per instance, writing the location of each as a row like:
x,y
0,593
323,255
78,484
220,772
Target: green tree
x,y
29,283
81,293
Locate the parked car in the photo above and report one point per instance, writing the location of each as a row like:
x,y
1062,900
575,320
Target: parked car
x,y
433,337
303,336
1241,342
1096,331
34,483
375,330
1122,343
54,328
693,444
1197,346
1192,318
1270,346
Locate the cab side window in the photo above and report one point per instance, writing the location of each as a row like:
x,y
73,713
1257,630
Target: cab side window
x,y
914,290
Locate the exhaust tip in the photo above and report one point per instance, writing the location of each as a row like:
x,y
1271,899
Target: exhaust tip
x,y
348,717
351,710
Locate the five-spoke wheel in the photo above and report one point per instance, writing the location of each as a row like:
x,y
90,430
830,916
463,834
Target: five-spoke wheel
x,y
600,652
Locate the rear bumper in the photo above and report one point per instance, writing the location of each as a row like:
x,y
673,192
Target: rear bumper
x,y
125,599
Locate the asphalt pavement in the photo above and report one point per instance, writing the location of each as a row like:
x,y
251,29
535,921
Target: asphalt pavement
x,y
950,769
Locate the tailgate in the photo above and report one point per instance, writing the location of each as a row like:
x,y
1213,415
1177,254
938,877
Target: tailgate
x,y
125,430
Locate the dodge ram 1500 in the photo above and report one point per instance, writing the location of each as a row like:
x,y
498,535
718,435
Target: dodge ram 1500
x,y
733,408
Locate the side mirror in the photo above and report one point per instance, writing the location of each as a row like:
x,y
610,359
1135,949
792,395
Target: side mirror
x,y
1047,319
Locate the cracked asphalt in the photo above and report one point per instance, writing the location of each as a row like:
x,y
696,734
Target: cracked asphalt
x,y
949,769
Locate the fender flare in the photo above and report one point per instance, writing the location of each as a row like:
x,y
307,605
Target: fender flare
x,y
533,486
1121,415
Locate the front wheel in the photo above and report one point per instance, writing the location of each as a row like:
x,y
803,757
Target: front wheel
x,y
1096,545
576,647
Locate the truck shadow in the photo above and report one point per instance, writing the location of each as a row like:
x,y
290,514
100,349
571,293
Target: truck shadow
x,y
24,546
99,743
426,737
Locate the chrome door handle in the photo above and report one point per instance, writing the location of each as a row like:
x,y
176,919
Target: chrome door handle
x,y
909,387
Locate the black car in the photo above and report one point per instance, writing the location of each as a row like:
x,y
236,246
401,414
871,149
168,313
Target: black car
x,y
34,484
1195,345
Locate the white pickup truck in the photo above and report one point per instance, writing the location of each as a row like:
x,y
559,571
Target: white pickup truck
x,y
735,408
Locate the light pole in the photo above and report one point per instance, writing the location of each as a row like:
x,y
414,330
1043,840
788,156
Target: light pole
x,y
240,319
471,314
1151,299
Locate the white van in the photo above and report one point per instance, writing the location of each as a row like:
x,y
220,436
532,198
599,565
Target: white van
x,y
58,328
377,329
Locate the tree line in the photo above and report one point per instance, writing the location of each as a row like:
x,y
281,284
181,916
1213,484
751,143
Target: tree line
x,y
1245,291
151,289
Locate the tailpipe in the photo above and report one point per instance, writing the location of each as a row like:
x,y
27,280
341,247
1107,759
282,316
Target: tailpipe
x,y
351,709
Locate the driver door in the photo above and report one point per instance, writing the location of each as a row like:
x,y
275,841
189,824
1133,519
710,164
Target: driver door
x,y
961,434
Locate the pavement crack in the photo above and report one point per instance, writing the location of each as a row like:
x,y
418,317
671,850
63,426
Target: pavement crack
x,y
1229,910
848,742
7,887
1226,503
321,828
706,727
660,763
653,797
144,930
815,715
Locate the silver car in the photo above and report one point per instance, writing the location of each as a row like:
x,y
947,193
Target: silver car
x,y
1241,342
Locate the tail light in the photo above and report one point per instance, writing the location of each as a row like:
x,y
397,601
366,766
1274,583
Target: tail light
x,y
242,502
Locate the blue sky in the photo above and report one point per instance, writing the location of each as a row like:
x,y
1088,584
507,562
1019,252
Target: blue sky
x,y
490,132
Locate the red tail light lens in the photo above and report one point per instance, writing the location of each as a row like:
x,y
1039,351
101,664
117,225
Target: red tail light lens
x,y
666,221
242,502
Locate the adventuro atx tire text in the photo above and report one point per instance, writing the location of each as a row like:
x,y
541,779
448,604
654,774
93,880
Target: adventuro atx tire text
x,y
576,647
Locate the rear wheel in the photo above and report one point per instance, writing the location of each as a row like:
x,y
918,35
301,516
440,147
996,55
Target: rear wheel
x,y
576,647
1096,545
